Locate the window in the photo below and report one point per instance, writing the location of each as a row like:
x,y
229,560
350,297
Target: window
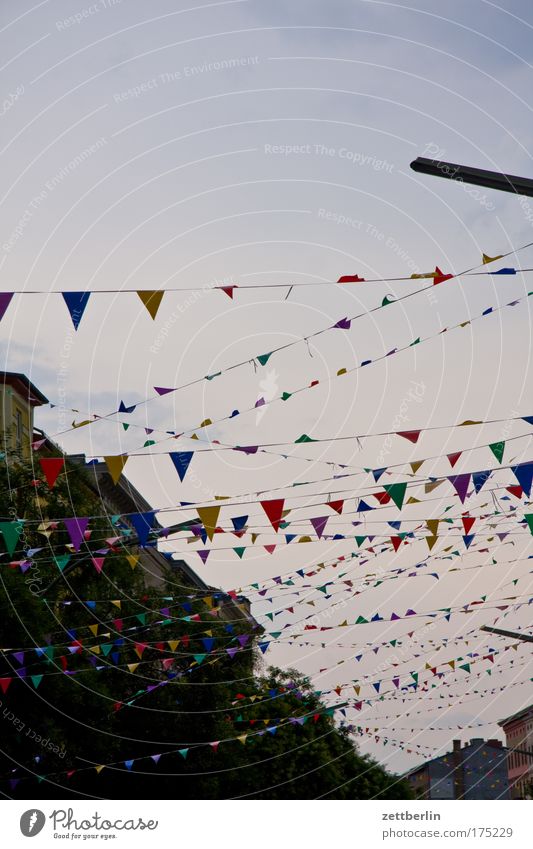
x,y
18,431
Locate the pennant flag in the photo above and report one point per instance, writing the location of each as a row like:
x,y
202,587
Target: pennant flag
x,y
5,300
204,554
468,521
479,479
377,473
132,559
343,324
274,511
61,561
351,278
270,549
263,359
239,552
239,522
497,449
4,684
76,303
487,259
11,532
76,528
209,517
51,467
524,476
115,465
416,465
183,752
467,539
460,483
152,301
181,460
319,525
411,435
98,563
162,390
396,492
529,519
396,542
143,524
336,505
454,457
228,290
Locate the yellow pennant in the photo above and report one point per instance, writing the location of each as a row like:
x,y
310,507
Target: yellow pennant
x,y
115,465
152,301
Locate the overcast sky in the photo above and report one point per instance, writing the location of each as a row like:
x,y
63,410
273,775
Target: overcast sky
x,y
149,147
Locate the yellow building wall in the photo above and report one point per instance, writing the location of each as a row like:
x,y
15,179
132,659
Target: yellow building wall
x,y
16,422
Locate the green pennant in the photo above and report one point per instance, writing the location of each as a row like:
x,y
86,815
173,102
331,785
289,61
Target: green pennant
x,y
465,666
106,648
529,519
199,658
263,358
36,680
62,561
148,442
125,426
386,301
416,342
361,621
11,532
360,541
497,449
141,617
239,551
49,653
304,438
396,492
286,396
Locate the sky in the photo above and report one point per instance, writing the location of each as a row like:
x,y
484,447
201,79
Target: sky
x,y
242,144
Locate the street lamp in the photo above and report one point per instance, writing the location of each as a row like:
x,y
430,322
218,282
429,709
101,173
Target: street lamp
x,y
477,176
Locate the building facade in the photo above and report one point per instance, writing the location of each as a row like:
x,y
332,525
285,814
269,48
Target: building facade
x,y
518,730
477,770
18,398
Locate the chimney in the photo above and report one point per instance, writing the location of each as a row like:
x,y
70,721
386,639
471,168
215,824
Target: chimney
x,y
458,774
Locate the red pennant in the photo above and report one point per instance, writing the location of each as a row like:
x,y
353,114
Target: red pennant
x,y
411,435
228,290
396,542
453,459
4,684
274,511
440,277
270,548
468,521
517,491
351,278
51,467
382,497
335,505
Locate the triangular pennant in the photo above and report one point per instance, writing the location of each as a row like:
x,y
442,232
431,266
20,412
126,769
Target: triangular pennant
x,y
152,301
181,460
5,300
76,303
396,492
416,465
479,479
76,528
51,467
209,517
524,476
460,484
454,457
498,449
143,524
319,525
411,435
336,505
274,511
115,465
11,532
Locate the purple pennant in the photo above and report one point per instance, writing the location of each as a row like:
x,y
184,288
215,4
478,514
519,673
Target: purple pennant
x,y
204,554
161,390
319,524
21,672
243,639
155,758
460,484
260,402
232,652
247,449
76,528
5,300
19,656
343,324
